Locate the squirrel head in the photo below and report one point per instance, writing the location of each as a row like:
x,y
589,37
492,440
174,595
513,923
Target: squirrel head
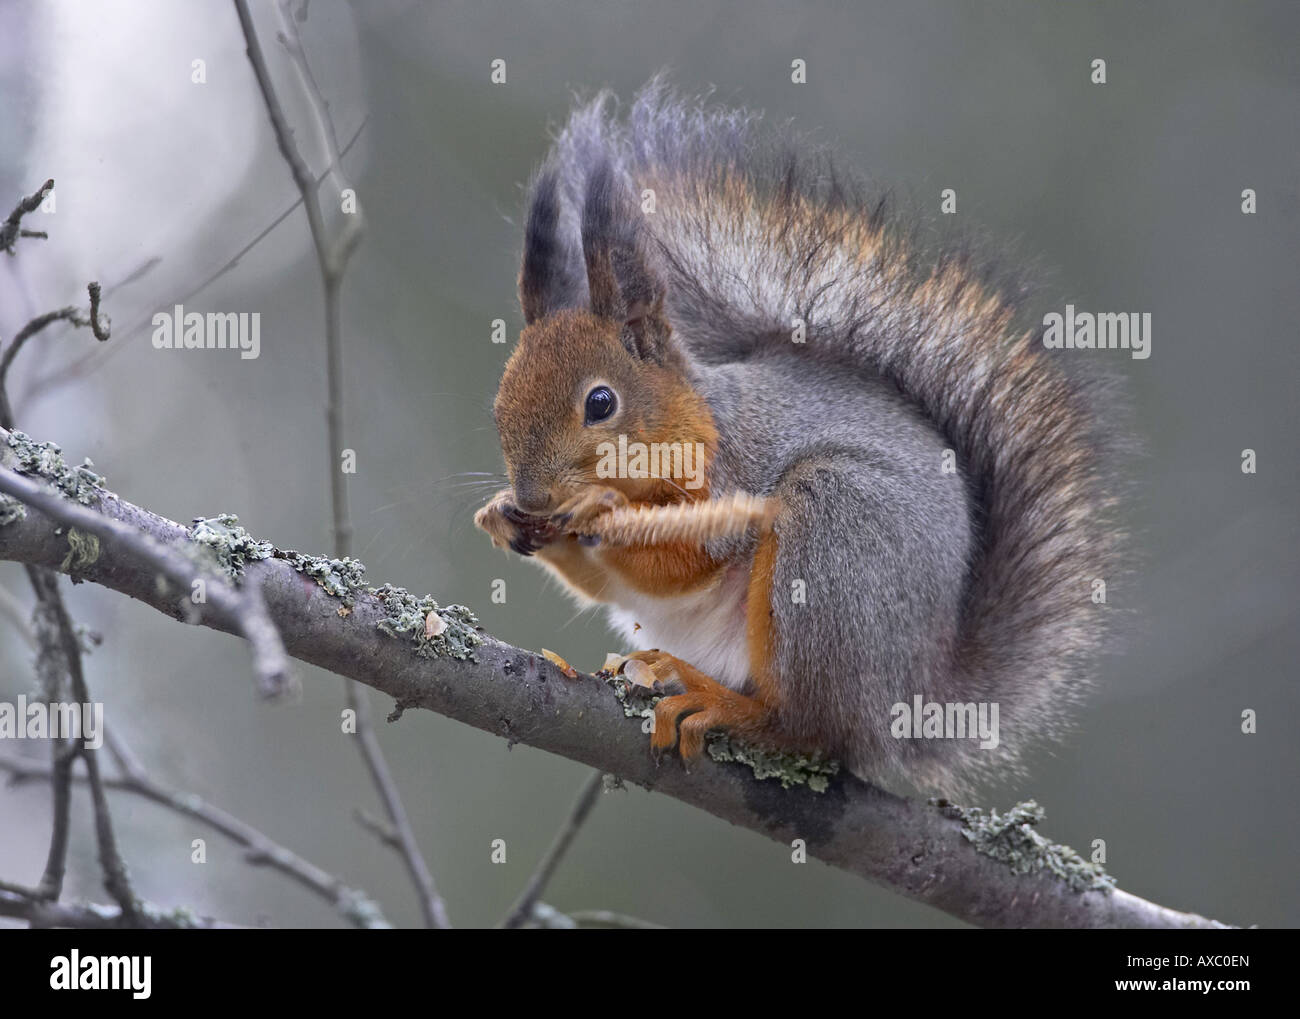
x,y
596,360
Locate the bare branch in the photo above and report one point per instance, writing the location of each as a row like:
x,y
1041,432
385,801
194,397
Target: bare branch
x,y
923,851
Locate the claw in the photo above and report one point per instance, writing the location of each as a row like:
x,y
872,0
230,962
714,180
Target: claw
x,y
517,516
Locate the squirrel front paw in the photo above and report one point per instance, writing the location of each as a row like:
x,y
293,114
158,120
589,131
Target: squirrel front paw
x,y
509,527
577,514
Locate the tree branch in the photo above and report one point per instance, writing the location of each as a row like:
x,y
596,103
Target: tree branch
x,y
923,851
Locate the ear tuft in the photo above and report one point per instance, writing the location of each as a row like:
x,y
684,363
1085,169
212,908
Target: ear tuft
x,y
620,282
548,278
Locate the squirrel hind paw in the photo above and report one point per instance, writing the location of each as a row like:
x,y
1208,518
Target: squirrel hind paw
x,y
695,705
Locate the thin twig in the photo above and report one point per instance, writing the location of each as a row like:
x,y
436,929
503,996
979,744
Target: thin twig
x,y
383,832
431,903
9,230
68,314
98,324
111,862
52,668
332,257
291,39
523,907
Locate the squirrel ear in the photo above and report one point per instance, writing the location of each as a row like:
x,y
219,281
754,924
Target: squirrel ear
x,y
549,278
646,331
620,281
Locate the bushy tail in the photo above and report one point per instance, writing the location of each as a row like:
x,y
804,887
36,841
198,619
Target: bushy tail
x,y
755,232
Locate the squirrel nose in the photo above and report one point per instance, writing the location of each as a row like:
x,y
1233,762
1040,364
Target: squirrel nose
x,y
532,499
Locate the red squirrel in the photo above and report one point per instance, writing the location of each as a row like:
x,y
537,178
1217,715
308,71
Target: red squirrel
x,y
936,500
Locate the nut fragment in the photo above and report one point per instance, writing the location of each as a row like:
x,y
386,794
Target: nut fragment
x,y
613,662
560,663
638,672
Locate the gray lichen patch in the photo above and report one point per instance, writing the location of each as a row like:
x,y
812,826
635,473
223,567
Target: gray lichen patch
x,y
407,614
234,548
342,578
1011,838
637,701
790,769
45,460
11,510
231,545
181,916
360,909
83,551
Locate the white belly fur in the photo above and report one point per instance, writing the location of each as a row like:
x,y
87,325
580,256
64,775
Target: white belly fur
x,y
706,628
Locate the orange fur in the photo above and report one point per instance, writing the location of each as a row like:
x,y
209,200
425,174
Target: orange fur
x,y
759,632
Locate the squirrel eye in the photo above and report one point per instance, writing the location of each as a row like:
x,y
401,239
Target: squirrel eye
x,y
600,404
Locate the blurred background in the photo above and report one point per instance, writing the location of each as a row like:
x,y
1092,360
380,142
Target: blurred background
x,y
1127,195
